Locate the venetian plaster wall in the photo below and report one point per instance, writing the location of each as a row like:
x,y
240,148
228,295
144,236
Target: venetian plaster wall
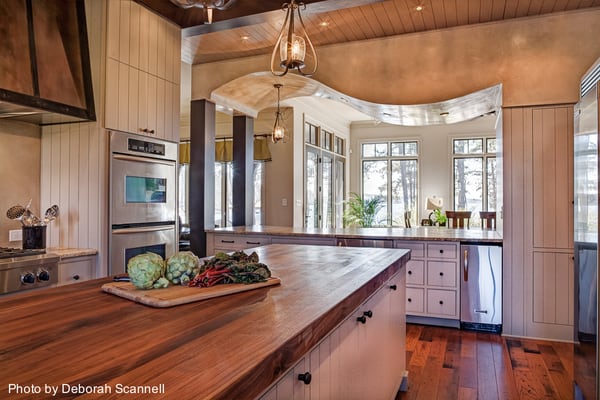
x,y
20,154
539,60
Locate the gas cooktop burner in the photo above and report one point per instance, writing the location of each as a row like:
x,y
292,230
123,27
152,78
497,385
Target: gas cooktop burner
x,y
9,252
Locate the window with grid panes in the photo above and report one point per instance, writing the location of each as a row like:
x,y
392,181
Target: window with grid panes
x,y
390,171
474,175
324,178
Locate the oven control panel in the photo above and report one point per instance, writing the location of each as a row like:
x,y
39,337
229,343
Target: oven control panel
x,y
143,146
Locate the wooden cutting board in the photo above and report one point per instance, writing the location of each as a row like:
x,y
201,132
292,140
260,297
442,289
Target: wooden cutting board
x,y
176,295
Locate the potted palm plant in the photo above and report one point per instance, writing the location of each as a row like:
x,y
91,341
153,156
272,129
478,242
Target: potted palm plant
x,y
361,212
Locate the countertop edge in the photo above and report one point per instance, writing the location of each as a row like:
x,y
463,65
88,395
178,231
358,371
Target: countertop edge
x,y
418,233
67,253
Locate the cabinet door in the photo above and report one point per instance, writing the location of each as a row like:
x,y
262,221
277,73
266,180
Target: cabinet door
x,y
553,178
442,250
134,105
161,42
123,119
396,337
152,34
161,130
371,336
553,270
111,111
441,273
415,300
112,29
152,105
415,272
134,34
441,303
142,103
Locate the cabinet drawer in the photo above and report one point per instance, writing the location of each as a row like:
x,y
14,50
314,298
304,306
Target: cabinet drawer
x,y
239,242
76,270
441,302
415,272
442,250
441,273
417,249
414,300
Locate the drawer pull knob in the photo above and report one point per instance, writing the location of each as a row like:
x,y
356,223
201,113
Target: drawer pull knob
x,y
362,319
227,241
410,272
441,274
441,302
305,377
368,314
393,287
252,242
76,277
409,299
441,251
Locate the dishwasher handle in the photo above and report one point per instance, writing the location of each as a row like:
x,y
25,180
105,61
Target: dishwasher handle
x,y
466,265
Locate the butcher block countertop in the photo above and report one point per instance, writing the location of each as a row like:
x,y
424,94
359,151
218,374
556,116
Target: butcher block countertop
x,y
416,233
77,337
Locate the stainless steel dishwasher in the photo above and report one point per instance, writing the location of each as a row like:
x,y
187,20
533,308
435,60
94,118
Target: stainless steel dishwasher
x,y
481,287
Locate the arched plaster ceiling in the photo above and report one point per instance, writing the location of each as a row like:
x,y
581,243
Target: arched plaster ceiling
x,y
254,92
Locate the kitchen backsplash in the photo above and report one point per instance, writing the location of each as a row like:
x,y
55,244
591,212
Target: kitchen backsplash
x,y
20,155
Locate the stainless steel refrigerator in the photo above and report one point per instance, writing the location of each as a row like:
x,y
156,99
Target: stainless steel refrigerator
x,y
586,358
481,287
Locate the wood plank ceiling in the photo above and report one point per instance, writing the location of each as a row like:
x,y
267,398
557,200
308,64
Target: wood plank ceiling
x,y
253,27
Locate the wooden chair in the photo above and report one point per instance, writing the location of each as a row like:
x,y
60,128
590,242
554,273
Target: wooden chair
x,y
407,219
458,218
488,219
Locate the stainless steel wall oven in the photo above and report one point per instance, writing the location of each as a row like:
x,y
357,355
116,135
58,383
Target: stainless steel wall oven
x,y
143,202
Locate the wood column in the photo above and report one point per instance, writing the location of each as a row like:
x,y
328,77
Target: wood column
x,y
202,174
243,170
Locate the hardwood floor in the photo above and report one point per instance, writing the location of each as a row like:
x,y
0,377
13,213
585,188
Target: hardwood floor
x,y
446,363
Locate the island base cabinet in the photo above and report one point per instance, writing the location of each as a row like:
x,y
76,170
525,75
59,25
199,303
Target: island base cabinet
x,y
363,358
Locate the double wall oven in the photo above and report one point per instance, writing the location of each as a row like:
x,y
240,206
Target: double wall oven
x,y
143,209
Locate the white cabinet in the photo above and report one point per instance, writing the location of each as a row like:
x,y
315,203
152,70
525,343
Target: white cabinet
x,y
76,269
432,286
143,72
363,358
225,242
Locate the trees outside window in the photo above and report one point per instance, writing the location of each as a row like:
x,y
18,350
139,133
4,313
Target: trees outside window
x,y
474,176
390,172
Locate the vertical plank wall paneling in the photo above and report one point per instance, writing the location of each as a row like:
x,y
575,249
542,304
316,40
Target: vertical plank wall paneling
x,y
75,177
514,136
538,245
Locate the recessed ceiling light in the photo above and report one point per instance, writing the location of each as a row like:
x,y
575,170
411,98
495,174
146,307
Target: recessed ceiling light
x,y
245,37
324,24
419,8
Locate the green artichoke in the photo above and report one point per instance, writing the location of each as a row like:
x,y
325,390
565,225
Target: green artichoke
x,y
146,269
182,267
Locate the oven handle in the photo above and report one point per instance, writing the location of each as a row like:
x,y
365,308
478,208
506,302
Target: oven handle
x,y
123,231
142,159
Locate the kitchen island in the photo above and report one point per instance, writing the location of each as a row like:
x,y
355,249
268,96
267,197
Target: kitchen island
x,y
78,338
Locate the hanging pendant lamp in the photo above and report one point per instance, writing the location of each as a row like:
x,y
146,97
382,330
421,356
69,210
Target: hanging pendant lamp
x,y
292,43
207,5
278,133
